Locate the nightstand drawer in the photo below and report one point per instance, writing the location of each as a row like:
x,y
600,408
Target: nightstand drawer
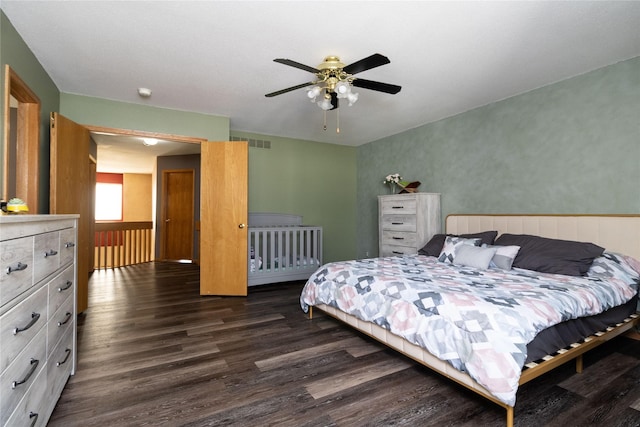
x,y
401,238
399,222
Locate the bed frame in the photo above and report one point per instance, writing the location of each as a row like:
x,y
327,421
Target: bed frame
x,y
616,233
281,249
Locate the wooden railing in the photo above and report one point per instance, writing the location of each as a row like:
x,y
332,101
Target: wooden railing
x,y
118,244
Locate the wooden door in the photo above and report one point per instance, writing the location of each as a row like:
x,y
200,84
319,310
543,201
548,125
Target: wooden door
x,y
223,218
177,214
71,190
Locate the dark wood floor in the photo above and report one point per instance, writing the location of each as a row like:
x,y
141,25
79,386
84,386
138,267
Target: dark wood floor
x,y
153,352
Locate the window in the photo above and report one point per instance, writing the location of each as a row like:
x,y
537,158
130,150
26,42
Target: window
x,y
108,197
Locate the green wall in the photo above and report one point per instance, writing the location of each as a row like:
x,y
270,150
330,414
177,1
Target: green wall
x,y
15,53
570,147
312,179
103,112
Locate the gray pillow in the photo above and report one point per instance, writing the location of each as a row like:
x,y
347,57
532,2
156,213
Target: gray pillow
x,y
451,246
434,246
473,256
551,255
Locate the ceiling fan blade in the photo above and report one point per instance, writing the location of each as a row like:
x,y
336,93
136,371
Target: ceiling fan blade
x,y
334,100
380,87
295,64
367,63
289,89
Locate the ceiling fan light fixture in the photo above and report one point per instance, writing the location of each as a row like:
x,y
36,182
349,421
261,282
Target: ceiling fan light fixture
x,y
352,98
325,104
313,92
149,141
342,89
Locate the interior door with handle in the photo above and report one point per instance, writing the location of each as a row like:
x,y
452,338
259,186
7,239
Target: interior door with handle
x,y
71,190
223,218
177,228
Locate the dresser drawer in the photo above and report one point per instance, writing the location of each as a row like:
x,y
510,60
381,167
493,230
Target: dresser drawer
x,y
46,254
16,258
398,205
60,364
61,321
399,222
32,409
19,325
60,288
402,238
21,374
392,250
67,246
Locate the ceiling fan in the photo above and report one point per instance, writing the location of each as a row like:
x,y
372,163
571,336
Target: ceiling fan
x,y
334,80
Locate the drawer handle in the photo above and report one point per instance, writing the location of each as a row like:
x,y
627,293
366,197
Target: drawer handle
x,y
50,252
66,286
66,357
34,319
397,252
17,267
397,238
69,245
397,223
33,415
34,366
67,317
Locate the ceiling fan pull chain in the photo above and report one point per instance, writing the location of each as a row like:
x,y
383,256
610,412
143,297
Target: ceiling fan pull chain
x,y
325,120
337,121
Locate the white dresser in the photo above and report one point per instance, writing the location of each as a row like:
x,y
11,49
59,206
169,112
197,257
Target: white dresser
x,y
37,314
406,222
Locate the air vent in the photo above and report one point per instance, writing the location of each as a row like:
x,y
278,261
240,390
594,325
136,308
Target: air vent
x,y
256,143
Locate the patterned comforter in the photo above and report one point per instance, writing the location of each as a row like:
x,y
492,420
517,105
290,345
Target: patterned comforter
x,y
479,321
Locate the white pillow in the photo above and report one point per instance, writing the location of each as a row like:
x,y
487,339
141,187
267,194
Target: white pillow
x,y
473,256
451,246
504,256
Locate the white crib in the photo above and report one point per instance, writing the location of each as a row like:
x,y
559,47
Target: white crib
x,y
281,249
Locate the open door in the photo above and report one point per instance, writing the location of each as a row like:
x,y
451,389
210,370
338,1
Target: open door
x,y
223,218
71,190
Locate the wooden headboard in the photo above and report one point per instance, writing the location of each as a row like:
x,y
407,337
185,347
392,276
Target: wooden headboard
x,y
616,233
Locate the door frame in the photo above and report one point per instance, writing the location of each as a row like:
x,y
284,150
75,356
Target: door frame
x,y
147,134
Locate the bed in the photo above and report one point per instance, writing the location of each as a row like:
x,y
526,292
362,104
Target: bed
x,y
281,248
495,342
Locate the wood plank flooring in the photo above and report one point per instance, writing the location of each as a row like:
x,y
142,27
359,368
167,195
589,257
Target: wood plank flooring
x,y
153,352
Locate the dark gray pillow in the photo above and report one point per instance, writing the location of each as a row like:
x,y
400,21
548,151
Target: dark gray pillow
x,y
551,255
434,246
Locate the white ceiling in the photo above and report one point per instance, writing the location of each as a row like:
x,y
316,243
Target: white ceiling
x,y
129,154
216,57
